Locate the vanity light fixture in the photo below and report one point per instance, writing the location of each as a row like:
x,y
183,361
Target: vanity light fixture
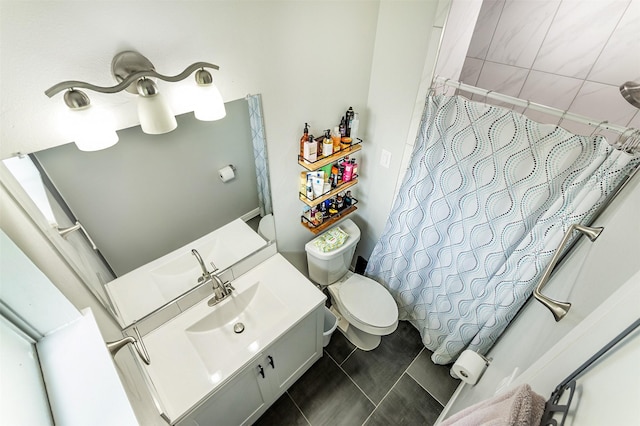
x,y
135,74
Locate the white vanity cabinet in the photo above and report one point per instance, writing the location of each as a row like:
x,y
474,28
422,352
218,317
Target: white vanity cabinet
x,y
249,393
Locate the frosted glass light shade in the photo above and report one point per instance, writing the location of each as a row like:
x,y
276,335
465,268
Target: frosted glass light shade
x,y
209,105
91,128
155,115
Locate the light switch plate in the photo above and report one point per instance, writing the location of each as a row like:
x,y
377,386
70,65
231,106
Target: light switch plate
x,y
385,159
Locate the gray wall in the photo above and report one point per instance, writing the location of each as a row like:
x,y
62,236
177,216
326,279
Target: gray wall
x,y
151,194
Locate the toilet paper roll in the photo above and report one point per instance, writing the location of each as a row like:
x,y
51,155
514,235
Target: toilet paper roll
x,y
227,173
469,366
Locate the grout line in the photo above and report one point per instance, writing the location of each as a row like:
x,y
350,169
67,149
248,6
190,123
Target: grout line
x,y
359,388
350,378
535,58
604,46
418,382
427,390
348,356
299,409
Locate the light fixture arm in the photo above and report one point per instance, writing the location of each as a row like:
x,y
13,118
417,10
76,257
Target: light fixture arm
x,y
131,78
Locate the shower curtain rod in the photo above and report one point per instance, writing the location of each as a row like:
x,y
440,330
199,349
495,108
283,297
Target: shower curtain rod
x,y
562,114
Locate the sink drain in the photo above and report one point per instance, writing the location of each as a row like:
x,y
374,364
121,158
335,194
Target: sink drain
x,y
238,328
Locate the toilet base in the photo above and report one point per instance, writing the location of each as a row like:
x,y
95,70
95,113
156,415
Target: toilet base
x,y
360,339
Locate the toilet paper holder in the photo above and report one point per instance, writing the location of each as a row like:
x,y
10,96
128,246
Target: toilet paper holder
x,y
227,173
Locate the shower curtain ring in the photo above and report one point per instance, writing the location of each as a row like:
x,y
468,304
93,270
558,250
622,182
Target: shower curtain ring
x,y
598,127
445,89
486,96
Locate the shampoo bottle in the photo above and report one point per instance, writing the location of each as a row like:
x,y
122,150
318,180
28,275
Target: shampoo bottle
x,y
343,128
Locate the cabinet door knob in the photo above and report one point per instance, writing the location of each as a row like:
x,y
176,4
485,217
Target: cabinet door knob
x,y
270,358
261,371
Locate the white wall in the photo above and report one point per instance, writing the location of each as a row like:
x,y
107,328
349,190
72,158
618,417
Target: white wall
x,y
402,42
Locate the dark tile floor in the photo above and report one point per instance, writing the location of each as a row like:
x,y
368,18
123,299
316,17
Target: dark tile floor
x,y
395,384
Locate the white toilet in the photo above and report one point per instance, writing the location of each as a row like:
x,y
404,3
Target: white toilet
x,y
366,306
266,228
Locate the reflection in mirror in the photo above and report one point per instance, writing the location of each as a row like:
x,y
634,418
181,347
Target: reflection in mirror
x,y
149,195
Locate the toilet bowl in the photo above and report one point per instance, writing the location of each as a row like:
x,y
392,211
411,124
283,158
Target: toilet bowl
x,y
266,228
366,308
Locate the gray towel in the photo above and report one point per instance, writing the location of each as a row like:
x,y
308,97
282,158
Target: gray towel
x,y
520,406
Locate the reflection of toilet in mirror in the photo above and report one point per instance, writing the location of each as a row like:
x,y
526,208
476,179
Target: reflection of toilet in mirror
x,y
366,306
266,228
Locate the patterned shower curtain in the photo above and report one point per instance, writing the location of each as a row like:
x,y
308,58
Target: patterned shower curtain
x,y
260,153
484,203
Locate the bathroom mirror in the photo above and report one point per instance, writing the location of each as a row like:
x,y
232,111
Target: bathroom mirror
x,y
150,194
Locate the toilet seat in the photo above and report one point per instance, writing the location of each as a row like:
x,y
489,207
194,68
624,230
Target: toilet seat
x,y
366,304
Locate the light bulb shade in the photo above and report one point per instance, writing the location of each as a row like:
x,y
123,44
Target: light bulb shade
x,y
155,115
90,128
209,105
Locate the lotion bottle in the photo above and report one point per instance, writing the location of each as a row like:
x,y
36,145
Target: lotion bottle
x,y
310,153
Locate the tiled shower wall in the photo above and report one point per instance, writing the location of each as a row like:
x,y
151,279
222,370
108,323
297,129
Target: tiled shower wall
x,y
569,54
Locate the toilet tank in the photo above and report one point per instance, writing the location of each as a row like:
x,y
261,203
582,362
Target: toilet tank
x,y
327,268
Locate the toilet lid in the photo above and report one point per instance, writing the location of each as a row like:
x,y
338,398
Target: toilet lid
x,y
368,301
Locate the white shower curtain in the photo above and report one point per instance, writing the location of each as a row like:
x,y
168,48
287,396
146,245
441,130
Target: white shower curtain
x,y
486,200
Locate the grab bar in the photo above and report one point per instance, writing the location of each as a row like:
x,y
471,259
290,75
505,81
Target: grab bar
x,y
66,231
560,309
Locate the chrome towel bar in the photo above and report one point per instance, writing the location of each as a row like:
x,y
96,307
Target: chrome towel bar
x,y
560,309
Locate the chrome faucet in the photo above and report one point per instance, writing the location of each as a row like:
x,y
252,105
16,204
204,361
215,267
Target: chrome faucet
x,y
220,288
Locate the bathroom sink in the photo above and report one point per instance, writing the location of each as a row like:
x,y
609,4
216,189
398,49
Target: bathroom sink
x,y
197,351
256,305
256,309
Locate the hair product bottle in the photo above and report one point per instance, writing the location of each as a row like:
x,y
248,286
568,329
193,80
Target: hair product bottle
x,y
348,119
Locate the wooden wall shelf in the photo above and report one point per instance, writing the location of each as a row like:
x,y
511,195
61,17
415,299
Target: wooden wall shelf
x,y
329,159
328,222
